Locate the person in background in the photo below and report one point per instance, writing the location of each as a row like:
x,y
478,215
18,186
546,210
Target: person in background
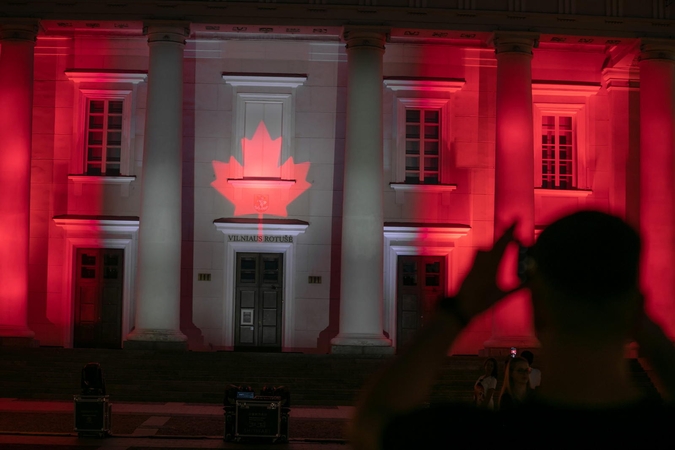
x,y
484,387
516,386
535,374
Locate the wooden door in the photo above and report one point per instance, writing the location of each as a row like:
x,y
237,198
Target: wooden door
x,y
420,285
258,301
98,298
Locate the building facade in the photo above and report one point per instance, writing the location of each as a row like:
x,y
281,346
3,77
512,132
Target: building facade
x,y
314,175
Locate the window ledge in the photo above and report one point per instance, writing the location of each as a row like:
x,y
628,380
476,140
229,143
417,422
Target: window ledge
x,y
541,192
443,189
260,182
123,180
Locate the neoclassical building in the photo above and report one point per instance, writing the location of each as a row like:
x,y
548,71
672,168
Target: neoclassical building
x,y
313,175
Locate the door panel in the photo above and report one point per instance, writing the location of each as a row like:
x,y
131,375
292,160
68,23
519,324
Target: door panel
x,y
259,288
98,298
420,285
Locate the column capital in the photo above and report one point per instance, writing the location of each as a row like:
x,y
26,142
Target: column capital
x,y
514,42
365,36
168,32
22,30
663,49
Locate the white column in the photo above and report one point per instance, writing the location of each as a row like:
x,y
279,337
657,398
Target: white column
x,y
159,242
514,176
657,179
361,301
16,119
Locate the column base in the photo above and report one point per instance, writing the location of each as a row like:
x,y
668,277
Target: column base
x,y
156,340
502,346
361,344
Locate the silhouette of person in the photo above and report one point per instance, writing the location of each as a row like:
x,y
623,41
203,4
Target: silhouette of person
x,y
587,304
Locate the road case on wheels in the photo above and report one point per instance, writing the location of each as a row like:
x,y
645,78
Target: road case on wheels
x,y
92,415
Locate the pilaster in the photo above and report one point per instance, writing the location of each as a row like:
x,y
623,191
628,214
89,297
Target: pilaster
x,y
18,38
657,178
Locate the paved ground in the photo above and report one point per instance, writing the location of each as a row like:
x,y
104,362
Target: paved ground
x,y
31,424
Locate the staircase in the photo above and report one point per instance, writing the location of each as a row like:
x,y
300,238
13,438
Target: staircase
x,y
201,377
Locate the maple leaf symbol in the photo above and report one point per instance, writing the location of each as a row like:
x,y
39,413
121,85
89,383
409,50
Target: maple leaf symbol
x,y
261,190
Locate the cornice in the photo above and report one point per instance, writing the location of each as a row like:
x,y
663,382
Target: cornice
x,y
432,22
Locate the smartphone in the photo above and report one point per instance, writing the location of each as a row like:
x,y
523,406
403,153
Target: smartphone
x,y
514,352
523,255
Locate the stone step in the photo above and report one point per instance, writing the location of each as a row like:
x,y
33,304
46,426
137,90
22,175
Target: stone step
x,y
201,377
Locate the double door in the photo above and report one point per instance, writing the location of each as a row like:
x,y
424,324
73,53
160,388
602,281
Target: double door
x,y
258,301
420,285
98,298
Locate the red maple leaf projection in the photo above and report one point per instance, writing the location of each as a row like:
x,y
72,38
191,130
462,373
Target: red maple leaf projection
x,y
261,190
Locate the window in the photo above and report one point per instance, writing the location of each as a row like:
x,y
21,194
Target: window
x,y
557,152
422,145
104,137
560,137
417,153
104,132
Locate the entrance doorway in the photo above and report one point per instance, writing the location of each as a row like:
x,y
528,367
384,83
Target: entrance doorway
x,y
258,301
98,298
420,285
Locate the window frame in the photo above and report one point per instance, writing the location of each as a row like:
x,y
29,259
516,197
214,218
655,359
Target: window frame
x,y
422,139
579,139
86,97
105,85
442,105
104,142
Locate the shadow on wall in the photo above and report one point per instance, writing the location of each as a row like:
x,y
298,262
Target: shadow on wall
x,y
194,334
325,336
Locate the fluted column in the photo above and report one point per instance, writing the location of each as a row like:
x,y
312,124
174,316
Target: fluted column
x,y
157,323
361,287
657,178
514,174
16,117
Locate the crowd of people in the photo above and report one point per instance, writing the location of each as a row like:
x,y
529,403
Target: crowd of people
x,y
519,385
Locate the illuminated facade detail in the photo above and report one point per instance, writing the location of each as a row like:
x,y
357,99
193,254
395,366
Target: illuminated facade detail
x,y
83,232
261,190
17,41
281,237
240,140
561,136
95,164
657,172
422,156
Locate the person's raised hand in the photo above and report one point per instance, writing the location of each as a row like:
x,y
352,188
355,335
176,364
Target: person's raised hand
x,y
480,289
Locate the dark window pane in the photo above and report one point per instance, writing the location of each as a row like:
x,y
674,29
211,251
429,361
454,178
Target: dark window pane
x,y
432,116
412,115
